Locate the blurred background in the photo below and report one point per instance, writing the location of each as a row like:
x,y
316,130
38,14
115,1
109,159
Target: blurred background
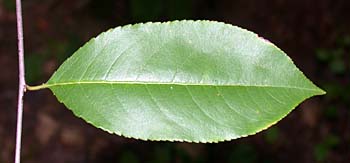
x,y
314,33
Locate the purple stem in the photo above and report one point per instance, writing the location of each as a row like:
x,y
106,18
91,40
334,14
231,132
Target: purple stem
x,y
21,84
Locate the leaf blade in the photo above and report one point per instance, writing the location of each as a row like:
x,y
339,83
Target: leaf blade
x,y
180,81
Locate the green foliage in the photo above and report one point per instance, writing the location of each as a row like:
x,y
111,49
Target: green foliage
x,y
194,81
335,58
34,64
9,5
334,91
57,49
272,135
63,48
322,149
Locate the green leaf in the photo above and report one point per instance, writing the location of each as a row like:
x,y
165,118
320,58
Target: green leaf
x,y
193,81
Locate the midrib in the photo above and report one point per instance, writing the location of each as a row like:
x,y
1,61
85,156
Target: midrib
x,y
48,85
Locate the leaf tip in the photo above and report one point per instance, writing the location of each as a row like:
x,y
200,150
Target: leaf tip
x,y
322,92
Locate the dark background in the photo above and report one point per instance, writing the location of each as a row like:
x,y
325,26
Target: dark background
x,y
314,33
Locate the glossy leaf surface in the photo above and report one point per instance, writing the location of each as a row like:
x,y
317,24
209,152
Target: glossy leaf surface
x,y
194,81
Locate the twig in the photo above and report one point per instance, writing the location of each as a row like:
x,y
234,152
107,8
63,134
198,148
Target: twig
x,y
21,84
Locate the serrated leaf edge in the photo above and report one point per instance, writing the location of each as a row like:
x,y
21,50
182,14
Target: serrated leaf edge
x,y
320,91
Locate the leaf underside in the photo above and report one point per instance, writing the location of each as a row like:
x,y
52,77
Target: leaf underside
x,y
193,81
